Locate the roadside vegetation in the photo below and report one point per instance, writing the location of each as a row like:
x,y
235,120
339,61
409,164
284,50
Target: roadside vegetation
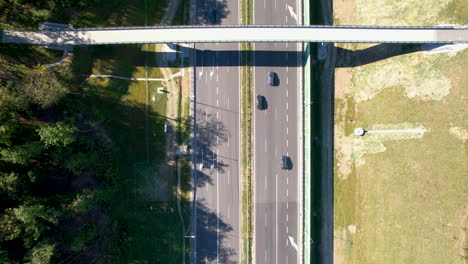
x,y
85,174
247,138
401,197
247,153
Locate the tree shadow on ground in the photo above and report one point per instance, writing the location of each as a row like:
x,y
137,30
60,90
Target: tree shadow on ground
x,y
211,12
208,135
147,227
211,235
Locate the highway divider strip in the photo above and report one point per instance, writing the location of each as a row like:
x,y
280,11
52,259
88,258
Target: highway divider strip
x,y
246,139
246,153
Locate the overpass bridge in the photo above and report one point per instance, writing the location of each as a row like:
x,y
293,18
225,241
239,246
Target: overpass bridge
x,y
237,33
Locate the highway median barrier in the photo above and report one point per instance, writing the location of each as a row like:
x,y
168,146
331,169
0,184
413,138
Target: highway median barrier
x,y
246,153
246,139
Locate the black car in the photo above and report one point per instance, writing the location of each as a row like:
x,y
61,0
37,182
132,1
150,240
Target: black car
x,y
261,102
285,162
272,77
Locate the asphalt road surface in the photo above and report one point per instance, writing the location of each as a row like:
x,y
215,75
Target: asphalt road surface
x,y
277,191
218,215
276,133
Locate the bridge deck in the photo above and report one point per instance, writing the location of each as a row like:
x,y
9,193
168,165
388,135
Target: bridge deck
x,y
238,34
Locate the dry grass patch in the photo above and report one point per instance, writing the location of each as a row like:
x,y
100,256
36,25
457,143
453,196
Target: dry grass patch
x,y
404,193
402,198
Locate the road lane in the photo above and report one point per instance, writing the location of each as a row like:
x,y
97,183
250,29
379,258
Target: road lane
x,y
218,195
277,205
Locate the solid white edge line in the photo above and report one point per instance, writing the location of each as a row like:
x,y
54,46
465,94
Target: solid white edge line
x,y
217,210
276,211
239,153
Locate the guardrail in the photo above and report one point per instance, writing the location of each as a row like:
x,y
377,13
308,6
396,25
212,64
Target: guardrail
x,y
261,26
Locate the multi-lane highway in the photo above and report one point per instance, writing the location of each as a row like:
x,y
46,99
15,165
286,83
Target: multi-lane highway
x,y
277,130
277,191
218,215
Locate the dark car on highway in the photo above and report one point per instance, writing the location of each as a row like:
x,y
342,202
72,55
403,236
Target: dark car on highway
x,y
261,102
285,162
272,78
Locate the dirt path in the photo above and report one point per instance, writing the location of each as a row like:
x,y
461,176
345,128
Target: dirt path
x,y
170,12
175,86
179,172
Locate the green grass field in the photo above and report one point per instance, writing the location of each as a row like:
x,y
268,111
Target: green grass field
x,y
129,116
145,210
401,198
148,215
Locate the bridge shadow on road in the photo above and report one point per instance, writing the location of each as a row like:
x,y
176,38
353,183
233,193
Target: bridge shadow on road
x,y
221,58
277,58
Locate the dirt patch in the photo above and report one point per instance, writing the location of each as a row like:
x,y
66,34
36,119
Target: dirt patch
x,y
177,88
344,12
450,49
459,132
400,73
352,149
339,246
343,77
402,13
172,85
343,151
373,143
352,229
463,225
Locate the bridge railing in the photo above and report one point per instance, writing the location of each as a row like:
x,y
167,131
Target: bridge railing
x,y
256,26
